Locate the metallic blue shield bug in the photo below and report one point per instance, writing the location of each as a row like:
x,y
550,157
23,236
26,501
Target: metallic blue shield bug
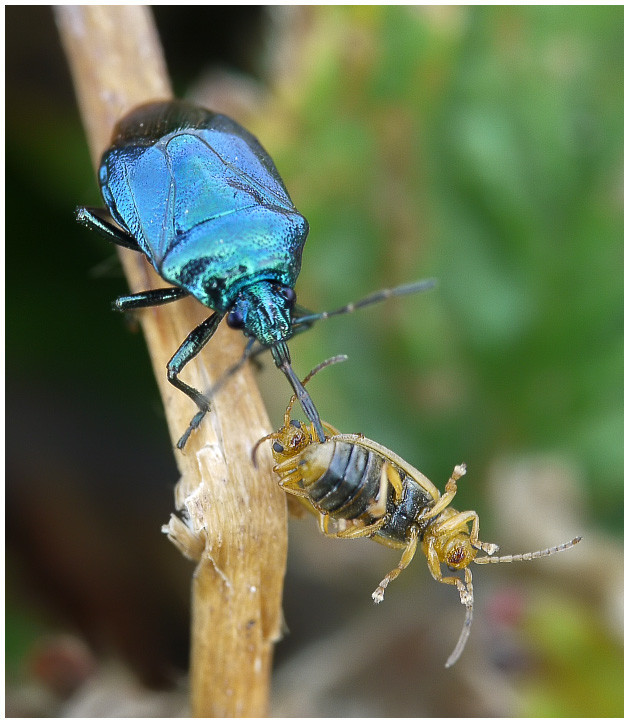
x,y
199,196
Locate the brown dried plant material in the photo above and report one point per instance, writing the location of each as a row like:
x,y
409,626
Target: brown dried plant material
x,y
235,515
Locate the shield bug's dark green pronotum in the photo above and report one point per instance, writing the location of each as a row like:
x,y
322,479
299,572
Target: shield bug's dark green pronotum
x,y
199,196
358,488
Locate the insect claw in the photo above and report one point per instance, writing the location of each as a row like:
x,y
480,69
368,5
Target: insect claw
x,y
466,598
490,547
378,594
194,423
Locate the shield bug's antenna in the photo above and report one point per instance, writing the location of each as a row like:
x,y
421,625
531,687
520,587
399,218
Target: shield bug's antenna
x,y
309,319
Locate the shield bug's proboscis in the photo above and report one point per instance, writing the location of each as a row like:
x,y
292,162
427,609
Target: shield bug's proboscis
x,y
358,488
199,196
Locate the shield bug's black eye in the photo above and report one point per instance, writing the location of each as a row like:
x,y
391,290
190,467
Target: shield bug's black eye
x,y
235,319
295,423
278,447
289,294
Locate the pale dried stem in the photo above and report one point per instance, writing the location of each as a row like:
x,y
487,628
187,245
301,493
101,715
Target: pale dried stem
x,y
237,528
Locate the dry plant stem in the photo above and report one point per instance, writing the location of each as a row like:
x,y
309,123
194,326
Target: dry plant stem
x,y
237,528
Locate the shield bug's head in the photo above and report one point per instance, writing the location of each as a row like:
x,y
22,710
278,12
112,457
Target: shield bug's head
x,y
263,311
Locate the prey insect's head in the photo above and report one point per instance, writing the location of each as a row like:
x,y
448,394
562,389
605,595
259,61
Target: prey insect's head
x,y
457,552
466,591
293,436
451,539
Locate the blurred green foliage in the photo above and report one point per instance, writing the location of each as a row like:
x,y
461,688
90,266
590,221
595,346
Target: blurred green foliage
x,y
481,146
570,636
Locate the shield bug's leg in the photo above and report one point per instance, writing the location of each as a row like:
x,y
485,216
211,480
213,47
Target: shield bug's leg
x,y
304,322
154,297
192,345
247,354
92,218
407,556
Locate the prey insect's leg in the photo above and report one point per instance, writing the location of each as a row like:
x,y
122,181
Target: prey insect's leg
x,y
353,529
393,478
378,507
358,529
92,218
407,556
461,519
435,570
154,297
194,342
376,510
291,482
446,498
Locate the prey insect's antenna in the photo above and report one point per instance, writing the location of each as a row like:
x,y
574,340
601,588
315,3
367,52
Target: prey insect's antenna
x,y
374,298
528,555
281,357
467,625
328,362
304,399
469,590
465,634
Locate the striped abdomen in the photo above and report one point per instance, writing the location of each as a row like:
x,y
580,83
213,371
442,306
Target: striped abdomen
x,y
342,479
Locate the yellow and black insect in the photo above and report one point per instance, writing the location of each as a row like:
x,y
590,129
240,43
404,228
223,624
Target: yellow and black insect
x,y
358,488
